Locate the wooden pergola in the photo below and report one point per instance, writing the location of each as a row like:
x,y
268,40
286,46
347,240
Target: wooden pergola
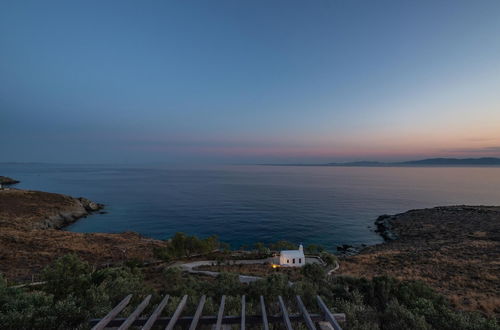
x,y
324,320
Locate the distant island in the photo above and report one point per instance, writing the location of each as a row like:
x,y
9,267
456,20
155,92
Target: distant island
x,y
484,161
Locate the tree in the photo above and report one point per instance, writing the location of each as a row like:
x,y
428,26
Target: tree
x,y
283,245
314,249
261,248
67,275
328,258
314,272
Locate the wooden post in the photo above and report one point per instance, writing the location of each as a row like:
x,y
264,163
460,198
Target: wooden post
x,y
156,313
305,314
243,313
286,318
111,315
328,315
265,323
177,313
128,322
197,314
220,314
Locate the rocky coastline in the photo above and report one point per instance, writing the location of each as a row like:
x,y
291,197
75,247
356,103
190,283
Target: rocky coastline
x,y
82,208
31,235
455,249
4,180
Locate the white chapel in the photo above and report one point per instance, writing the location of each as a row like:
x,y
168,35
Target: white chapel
x,y
293,258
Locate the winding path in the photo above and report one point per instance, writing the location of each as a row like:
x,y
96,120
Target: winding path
x,y
190,267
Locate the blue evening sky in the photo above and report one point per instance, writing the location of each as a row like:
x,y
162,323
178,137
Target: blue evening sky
x,y
248,81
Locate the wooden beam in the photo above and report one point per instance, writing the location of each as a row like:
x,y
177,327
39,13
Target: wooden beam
x,y
197,314
177,313
286,318
185,321
305,314
243,313
220,314
111,315
135,314
152,319
265,322
328,315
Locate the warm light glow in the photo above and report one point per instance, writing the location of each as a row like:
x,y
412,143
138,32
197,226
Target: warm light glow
x,y
275,266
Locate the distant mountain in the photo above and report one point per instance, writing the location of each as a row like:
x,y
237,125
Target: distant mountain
x,y
485,161
455,161
360,163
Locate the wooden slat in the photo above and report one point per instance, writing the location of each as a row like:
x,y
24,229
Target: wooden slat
x,y
197,314
135,314
243,313
111,315
220,314
265,323
286,318
177,313
328,315
185,321
305,314
152,319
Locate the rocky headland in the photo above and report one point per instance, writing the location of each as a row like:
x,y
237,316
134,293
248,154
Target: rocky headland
x,y
455,249
7,181
31,235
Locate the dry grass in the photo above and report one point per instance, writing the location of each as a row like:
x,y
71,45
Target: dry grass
x,y
24,251
456,250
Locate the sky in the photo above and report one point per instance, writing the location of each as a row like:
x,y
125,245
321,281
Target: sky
x,y
248,81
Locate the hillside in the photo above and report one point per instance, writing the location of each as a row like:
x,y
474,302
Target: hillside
x,y
31,235
455,249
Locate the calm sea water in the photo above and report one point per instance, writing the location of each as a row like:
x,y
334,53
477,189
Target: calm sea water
x,y
247,204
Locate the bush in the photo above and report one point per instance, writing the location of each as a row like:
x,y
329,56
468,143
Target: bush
x,y
71,295
74,293
396,317
182,245
67,275
328,258
314,249
283,245
314,272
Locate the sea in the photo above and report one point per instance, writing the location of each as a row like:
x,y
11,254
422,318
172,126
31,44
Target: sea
x,y
242,205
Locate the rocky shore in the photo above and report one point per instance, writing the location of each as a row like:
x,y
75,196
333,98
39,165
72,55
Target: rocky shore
x,y
7,181
31,235
455,249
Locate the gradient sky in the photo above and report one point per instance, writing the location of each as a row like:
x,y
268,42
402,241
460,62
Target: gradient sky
x,y
248,81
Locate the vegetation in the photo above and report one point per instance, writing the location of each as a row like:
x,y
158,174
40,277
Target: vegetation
x,y
182,245
74,292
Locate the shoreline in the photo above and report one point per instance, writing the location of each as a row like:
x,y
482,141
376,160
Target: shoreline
x,y
32,234
454,249
442,246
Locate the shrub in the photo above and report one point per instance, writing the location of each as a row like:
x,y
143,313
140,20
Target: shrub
x,y
182,245
396,317
67,275
314,249
328,258
283,245
314,272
